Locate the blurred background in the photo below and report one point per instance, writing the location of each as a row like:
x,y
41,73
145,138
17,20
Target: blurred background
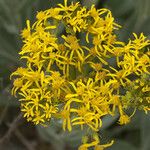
x,y
15,132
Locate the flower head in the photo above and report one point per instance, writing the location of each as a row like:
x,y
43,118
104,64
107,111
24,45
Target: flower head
x,y
72,79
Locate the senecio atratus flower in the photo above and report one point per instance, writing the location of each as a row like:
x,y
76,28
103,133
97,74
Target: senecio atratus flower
x,y
70,76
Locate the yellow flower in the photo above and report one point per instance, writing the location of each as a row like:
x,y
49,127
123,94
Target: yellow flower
x,y
85,117
70,76
27,31
38,117
28,110
18,83
66,8
143,63
65,114
128,63
102,147
75,49
49,109
86,145
95,143
79,21
120,75
139,42
93,54
124,119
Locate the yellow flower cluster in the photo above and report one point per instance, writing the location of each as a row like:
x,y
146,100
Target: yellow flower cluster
x,y
74,81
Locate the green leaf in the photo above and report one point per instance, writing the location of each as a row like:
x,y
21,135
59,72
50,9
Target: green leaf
x,y
6,99
120,8
122,145
55,135
73,138
49,135
89,3
108,121
11,146
145,131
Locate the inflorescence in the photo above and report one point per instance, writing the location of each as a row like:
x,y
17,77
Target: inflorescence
x,y
75,81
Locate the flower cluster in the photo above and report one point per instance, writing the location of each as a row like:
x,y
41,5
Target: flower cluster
x,y
75,81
